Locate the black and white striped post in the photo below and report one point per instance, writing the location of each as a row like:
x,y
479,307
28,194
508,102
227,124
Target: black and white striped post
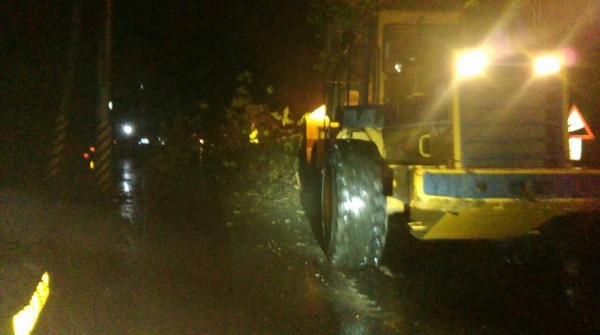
x,y
59,144
104,130
56,164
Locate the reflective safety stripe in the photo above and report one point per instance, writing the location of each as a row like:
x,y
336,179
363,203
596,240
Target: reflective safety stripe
x,y
512,185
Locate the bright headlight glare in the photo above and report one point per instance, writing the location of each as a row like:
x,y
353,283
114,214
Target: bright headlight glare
x,y
547,64
471,64
318,114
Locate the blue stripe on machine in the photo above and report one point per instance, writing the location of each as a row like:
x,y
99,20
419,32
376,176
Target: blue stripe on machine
x,y
491,185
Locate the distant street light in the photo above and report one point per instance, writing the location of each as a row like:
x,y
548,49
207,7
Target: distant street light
x,y
127,129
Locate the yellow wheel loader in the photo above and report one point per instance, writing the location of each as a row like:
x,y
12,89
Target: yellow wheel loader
x,y
462,138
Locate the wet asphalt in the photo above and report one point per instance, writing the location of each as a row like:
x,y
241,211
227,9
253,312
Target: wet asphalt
x,y
209,262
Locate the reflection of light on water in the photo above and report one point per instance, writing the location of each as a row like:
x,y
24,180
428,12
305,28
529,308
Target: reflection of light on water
x,y
127,176
24,321
126,187
127,210
126,165
366,310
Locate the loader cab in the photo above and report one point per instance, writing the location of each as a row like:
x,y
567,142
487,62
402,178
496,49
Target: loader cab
x,y
416,53
416,66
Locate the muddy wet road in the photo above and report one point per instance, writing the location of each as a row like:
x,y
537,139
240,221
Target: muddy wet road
x,y
205,261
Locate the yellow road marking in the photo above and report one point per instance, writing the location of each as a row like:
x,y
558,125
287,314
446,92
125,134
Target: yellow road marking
x,y
24,321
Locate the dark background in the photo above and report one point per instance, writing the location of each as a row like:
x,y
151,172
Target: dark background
x,y
182,52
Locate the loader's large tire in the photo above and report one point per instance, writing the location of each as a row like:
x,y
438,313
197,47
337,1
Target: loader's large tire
x,y
310,191
353,205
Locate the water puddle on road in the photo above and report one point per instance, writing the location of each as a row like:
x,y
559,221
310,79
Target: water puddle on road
x,y
130,186
363,314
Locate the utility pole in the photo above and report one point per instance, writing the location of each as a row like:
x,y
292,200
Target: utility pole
x,y
104,130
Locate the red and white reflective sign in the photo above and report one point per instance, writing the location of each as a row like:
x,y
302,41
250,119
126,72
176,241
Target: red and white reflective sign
x,y
578,131
577,126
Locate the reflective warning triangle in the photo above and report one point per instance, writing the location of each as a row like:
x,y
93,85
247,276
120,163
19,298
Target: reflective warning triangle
x,y
577,126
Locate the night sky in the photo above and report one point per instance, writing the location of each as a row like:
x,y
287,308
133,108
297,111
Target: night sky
x,y
187,51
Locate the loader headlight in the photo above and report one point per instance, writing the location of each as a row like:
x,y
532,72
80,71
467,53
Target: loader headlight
x,y
318,115
547,64
471,64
